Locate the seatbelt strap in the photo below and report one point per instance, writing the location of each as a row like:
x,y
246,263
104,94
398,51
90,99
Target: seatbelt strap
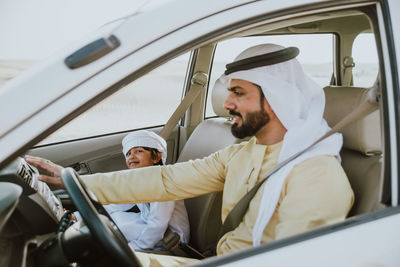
x,y
236,215
171,242
348,65
199,80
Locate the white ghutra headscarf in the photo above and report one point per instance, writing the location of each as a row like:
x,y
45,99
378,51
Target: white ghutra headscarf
x,y
299,104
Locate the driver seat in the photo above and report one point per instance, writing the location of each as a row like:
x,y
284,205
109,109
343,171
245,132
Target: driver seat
x,y
204,212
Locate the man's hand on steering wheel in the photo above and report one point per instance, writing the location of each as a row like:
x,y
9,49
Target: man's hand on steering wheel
x,y
106,234
51,168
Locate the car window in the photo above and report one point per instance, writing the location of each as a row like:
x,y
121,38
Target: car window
x,y
139,104
365,57
315,55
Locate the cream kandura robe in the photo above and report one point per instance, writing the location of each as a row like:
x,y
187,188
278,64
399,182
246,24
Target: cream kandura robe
x,y
317,191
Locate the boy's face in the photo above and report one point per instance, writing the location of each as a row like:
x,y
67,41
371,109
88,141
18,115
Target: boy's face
x,y
138,157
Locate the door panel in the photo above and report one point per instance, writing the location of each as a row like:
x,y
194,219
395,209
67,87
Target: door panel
x,y
96,154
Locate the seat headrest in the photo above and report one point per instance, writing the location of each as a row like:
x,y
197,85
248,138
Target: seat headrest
x,y
218,96
363,135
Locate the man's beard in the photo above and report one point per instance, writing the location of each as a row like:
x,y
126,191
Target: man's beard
x,y
251,125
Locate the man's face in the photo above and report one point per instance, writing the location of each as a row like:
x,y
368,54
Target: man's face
x,y
246,104
138,157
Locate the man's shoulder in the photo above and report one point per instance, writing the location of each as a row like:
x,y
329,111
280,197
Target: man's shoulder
x,y
324,160
233,148
320,166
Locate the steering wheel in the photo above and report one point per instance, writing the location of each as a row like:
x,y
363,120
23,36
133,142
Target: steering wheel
x,y
109,239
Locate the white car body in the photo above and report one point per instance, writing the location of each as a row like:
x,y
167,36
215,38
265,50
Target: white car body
x,y
41,100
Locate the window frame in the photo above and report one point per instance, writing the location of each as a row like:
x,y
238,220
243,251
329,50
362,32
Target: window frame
x,y
329,82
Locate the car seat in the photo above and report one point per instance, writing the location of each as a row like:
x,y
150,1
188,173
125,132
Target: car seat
x,y
204,211
362,150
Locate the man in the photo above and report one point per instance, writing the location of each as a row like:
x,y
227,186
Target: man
x,y
271,98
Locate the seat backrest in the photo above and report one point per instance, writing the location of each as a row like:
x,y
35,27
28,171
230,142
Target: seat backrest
x,y
205,211
361,153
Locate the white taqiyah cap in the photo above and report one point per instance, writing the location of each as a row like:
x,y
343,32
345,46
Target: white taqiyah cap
x,y
145,138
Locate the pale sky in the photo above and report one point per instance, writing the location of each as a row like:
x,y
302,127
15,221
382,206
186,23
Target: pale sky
x,y
35,29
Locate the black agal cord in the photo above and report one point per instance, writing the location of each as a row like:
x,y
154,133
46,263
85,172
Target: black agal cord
x,y
262,60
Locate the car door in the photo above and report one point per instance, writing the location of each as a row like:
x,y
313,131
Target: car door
x,y
369,238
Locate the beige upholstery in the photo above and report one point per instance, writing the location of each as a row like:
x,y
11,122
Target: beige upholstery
x,y
361,153
363,135
218,97
209,136
205,212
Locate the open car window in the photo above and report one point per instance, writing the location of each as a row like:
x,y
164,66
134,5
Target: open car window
x,y
146,102
365,57
316,56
